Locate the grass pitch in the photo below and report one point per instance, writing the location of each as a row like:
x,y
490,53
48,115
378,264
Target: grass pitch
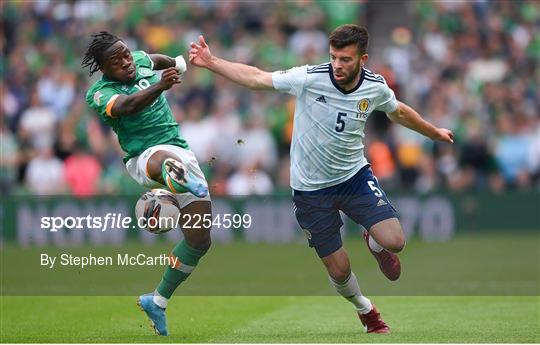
x,y
271,319
472,289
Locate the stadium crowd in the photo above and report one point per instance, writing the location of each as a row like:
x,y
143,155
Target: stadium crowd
x,y
468,66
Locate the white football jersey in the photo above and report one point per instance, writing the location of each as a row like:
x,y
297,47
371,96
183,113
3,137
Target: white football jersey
x,y
327,142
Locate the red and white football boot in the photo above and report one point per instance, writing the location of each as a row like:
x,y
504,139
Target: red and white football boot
x,y
373,323
388,261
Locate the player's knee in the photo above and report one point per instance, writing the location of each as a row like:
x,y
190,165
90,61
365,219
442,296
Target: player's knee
x,y
339,273
202,243
206,244
396,244
155,163
153,169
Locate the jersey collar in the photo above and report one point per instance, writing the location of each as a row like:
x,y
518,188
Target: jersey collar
x,y
343,91
105,78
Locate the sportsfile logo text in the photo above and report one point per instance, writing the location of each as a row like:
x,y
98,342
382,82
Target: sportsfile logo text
x,y
115,221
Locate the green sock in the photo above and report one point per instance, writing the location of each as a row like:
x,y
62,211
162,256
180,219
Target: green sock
x,y
188,258
170,183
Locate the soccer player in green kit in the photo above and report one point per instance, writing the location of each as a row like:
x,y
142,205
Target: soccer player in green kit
x,y
129,98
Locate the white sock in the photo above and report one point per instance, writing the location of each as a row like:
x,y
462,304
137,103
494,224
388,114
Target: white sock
x,y
374,245
351,291
160,300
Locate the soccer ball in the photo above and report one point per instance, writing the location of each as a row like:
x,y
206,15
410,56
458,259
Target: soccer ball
x,y
157,211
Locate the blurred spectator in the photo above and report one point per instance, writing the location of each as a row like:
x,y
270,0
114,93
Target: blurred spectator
x,y
435,43
512,152
468,66
8,158
249,180
309,42
38,122
25,154
82,173
428,177
381,159
284,175
534,151
226,122
56,90
476,160
255,144
198,132
45,173
10,105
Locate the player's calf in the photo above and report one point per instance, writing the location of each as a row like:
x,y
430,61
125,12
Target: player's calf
x,y
346,284
368,314
186,259
337,265
350,290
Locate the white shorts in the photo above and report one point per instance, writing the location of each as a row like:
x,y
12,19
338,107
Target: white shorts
x,y
137,168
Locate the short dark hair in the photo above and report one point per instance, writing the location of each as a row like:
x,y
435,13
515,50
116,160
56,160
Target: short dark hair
x,y
94,54
348,34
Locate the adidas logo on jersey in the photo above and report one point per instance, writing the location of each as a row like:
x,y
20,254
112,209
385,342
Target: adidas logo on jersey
x,y
381,203
321,99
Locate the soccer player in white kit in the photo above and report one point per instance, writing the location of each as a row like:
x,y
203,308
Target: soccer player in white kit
x,y
329,172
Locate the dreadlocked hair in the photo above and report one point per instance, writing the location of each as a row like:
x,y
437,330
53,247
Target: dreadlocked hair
x,y
94,54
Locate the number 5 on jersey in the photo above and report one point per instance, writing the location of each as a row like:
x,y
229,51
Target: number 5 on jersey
x,y
340,122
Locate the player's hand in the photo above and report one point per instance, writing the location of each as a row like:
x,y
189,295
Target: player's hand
x,y
199,54
445,135
169,77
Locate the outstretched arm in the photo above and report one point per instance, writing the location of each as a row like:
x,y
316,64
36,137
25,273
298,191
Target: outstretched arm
x,y
122,105
162,61
245,75
408,117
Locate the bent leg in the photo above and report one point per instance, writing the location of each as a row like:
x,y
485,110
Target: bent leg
x,y
384,239
178,171
155,163
388,234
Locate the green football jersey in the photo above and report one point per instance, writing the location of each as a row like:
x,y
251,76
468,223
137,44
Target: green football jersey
x,y
151,126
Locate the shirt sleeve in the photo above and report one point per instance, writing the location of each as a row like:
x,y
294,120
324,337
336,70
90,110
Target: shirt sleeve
x,y
291,81
387,100
102,100
142,59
